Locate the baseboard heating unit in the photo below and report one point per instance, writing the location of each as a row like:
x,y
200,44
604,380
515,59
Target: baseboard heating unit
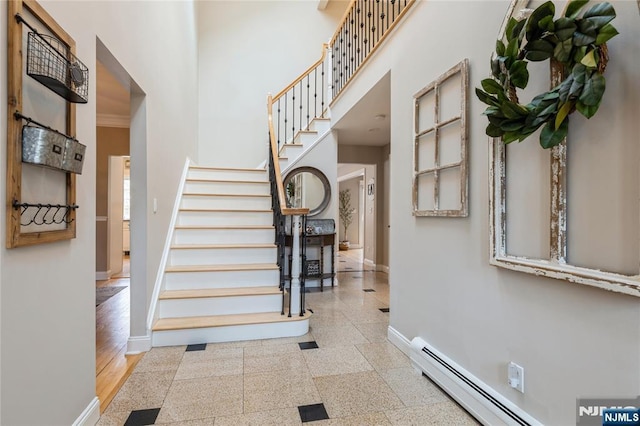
x,y
485,404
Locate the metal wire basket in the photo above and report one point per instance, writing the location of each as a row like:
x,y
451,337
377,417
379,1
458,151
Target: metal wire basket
x,y
50,62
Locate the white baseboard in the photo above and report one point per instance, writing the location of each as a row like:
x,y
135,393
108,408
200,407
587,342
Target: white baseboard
x,y
138,344
382,268
89,415
103,275
369,263
399,341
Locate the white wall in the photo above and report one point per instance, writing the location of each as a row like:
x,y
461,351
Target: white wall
x,y
248,49
47,309
573,340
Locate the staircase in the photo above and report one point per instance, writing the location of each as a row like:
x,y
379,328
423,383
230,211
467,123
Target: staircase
x,y
304,141
221,282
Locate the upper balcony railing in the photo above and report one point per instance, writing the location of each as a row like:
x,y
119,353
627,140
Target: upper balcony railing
x,y
364,26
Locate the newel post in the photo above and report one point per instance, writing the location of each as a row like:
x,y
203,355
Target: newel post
x,y
296,260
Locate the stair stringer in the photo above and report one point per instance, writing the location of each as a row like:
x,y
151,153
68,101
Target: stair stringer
x,y
157,287
308,149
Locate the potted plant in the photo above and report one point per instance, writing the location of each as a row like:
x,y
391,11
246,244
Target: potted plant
x,y
346,216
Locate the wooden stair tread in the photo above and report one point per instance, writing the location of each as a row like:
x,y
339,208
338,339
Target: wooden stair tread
x,y
225,227
229,169
228,210
219,292
200,194
227,267
167,324
227,181
221,246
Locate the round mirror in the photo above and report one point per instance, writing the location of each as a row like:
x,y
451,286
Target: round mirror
x,y
307,187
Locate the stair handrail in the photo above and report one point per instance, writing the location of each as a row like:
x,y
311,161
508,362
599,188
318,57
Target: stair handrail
x,y
286,211
304,74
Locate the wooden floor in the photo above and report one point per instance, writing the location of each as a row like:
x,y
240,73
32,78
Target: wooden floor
x,y
112,331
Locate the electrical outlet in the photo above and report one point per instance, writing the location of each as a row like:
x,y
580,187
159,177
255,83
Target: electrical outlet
x,y
515,376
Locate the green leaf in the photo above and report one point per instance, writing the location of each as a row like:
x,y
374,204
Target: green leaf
x,y
573,9
581,39
562,52
600,10
546,23
593,90
491,86
509,137
518,74
545,9
539,50
486,98
587,27
516,31
579,54
500,48
589,60
587,110
606,33
565,28
510,26
512,110
512,48
563,112
550,137
494,131
512,125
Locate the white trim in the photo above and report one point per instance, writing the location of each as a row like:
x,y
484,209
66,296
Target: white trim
x,y
138,344
382,268
89,415
399,341
322,4
478,398
351,175
370,263
103,275
167,245
288,167
113,120
101,218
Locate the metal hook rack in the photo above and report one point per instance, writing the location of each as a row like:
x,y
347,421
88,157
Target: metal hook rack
x,y
46,214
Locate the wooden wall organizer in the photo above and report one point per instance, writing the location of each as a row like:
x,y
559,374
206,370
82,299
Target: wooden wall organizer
x,y
15,74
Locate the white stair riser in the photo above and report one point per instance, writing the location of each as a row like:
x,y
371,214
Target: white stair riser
x,y
222,202
320,126
291,150
205,218
224,236
230,333
227,174
283,162
222,256
220,279
219,306
306,139
206,187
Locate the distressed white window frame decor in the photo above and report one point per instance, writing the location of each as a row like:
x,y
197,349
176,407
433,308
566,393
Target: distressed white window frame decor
x,y
557,266
461,69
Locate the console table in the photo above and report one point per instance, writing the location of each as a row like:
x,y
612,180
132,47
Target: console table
x,y
314,268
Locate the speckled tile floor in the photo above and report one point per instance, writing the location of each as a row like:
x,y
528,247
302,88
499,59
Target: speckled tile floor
x,y
353,377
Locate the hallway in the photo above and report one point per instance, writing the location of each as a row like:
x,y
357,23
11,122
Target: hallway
x,y
343,369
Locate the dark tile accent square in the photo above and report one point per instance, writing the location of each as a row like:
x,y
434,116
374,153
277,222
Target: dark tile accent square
x,y
356,276
142,417
342,261
308,345
346,267
312,413
368,290
197,347
384,309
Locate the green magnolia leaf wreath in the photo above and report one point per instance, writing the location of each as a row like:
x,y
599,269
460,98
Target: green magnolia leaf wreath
x,y
576,43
